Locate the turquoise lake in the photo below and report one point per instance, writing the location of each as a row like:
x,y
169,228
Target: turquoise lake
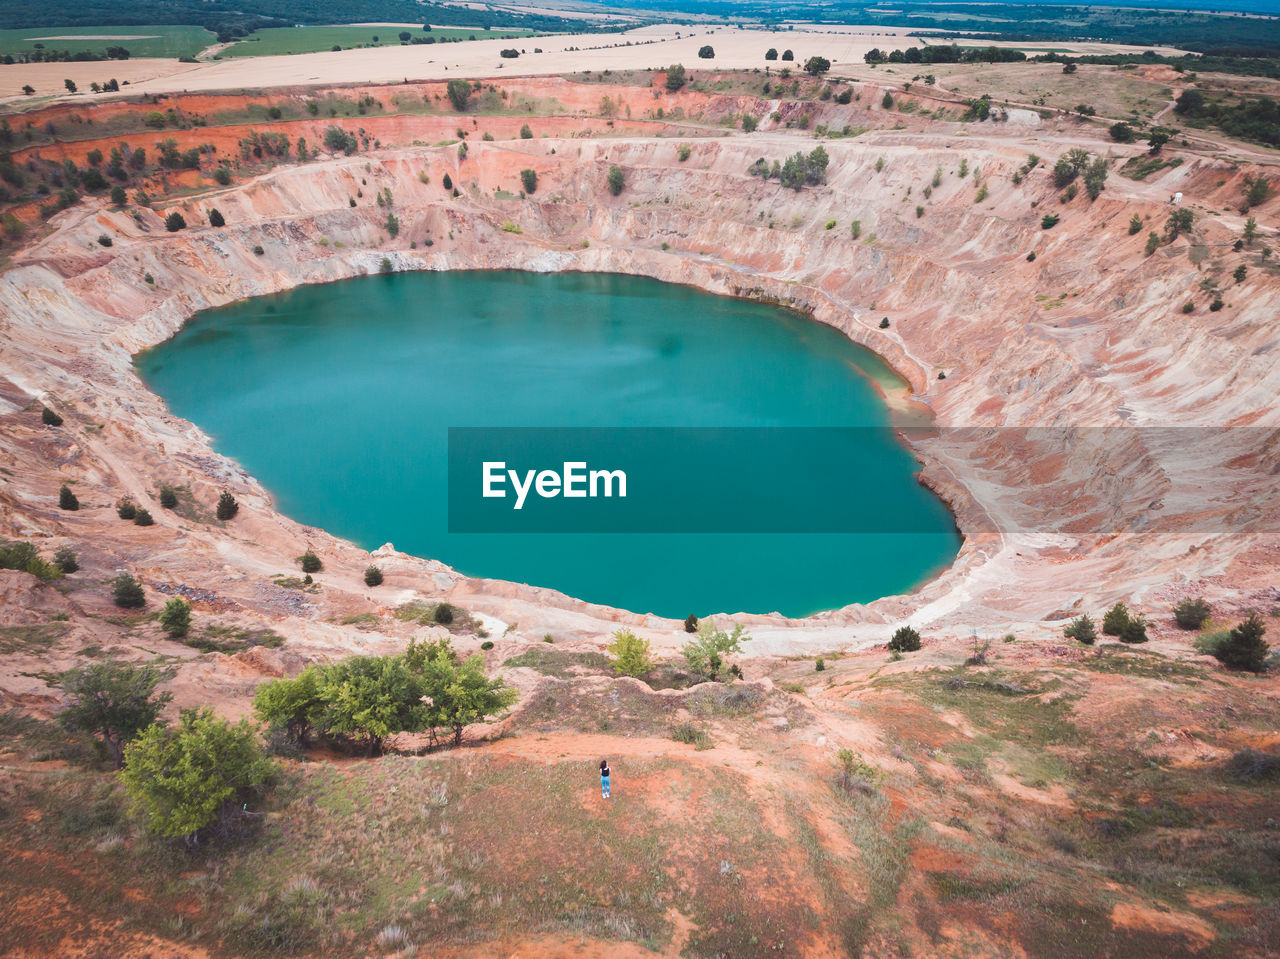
x,y
339,398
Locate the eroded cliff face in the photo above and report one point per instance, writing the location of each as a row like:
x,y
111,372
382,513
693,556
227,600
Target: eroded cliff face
x,y
1058,368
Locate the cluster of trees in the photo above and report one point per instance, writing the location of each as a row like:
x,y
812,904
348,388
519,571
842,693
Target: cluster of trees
x,y
947,54
1241,647
26,558
39,54
1255,120
772,54
363,700
1076,163
797,171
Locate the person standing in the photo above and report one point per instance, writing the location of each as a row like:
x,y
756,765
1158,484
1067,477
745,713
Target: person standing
x,y
604,778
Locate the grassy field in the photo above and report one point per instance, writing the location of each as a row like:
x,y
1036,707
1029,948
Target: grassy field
x,y
158,41
282,40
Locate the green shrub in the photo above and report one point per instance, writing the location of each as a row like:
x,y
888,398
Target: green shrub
x,y
174,222
443,614
691,735
705,655
749,123
683,151
884,323
216,218
904,640
1134,630
1253,765
190,777
112,700
1244,647
615,180
373,576
168,497
1082,630
222,176
143,518
227,506
67,499
127,592
65,559
126,509
258,250
630,654
175,618
1049,221
295,703
310,562
691,623
525,132
487,645
1208,644
459,93
529,181
1135,224
820,665
49,418
675,77
1191,613
1114,620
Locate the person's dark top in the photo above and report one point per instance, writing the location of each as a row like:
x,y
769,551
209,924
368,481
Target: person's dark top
x,y
605,771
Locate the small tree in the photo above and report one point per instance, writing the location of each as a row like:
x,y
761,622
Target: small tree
x,y
1191,613
1156,141
1250,231
175,222
49,418
294,703
904,640
442,614
1135,224
310,562
227,506
1244,647
67,499
1239,273
1134,630
168,497
525,132
65,559
216,218
705,655
691,623
126,509
1113,622
1082,630
529,181
887,100
373,576
706,52
630,654
368,698
788,55
1256,190
447,182
675,77
113,700
771,53
1122,133
188,778
175,618
222,174
118,196
816,66
459,93
461,693
127,592
615,180
70,85
143,518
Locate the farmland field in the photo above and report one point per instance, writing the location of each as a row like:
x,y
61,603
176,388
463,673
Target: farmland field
x,y
279,40
140,41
